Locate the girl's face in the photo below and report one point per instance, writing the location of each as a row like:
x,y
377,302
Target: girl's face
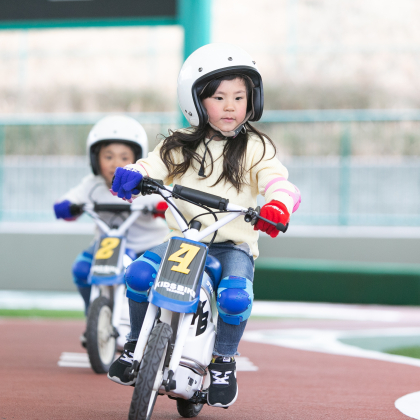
x,y
111,156
226,108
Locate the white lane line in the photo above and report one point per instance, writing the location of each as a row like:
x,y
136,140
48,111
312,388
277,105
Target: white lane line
x,y
15,299
327,341
47,228
325,311
409,405
83,357
12,299
243,364
81,360
77,360
63,363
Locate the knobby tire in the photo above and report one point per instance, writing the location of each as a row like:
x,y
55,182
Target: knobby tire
x,y
154,354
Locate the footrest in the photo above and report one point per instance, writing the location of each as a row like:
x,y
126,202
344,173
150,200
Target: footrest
x,y
200,397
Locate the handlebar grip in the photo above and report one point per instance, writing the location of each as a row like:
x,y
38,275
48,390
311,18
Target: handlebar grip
x,y
76,209
278,226
148,186
209,200
281,227
111,207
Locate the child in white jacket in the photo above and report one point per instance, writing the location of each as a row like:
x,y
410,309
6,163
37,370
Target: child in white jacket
x,y
114,141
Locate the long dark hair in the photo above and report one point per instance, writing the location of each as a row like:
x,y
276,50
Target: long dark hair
x,y
234,151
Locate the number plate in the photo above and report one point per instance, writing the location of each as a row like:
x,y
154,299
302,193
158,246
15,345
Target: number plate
x,y
107,260
181,270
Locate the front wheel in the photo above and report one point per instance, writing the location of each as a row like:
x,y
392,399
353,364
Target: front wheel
x,y
100,335
187,409
150,375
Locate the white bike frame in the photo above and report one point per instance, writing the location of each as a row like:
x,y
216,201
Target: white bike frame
x,y
185,319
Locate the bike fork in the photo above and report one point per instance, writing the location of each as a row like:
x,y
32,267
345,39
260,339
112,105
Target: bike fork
x,y
148,323
118,302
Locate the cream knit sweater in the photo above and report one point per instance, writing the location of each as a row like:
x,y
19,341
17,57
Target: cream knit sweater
x,y
266,178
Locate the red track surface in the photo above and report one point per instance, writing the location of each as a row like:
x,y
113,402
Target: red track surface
x,y
290,384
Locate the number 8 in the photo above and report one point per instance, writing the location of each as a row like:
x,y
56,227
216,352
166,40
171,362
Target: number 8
x,y
107,248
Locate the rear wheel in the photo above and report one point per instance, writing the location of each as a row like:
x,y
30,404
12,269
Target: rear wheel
x,y
150,375
100,335
187,409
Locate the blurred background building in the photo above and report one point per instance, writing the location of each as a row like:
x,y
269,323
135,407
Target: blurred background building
x,y
313,54
342,104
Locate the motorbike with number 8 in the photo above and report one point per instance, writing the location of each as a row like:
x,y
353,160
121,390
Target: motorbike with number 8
x,y
108,320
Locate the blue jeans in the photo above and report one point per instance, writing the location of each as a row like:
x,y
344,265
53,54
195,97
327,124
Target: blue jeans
x,y
235,262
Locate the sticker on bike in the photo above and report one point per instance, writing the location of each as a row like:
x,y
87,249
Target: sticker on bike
x,y
107,247
107,260
190,252
181,270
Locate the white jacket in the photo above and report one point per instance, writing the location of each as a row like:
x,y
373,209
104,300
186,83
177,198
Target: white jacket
x,y
145,233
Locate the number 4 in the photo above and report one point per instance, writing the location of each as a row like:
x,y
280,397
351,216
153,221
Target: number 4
x,y
184,262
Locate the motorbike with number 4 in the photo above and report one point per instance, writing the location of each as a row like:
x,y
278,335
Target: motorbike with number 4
x,y
108,320
177,337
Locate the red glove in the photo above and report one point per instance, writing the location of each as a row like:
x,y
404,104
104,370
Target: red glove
x,y
277,213
160,209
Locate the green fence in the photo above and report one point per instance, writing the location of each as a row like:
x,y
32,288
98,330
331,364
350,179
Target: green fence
x,y
353,167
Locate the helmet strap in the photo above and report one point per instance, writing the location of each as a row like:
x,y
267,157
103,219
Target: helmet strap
x,y
233,133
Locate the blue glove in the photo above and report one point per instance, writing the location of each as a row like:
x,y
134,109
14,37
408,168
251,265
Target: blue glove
x,y
125,182
62,210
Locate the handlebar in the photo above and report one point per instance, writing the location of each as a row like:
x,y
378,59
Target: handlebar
x,y
114,208
152,186
78,209
132,210
200,197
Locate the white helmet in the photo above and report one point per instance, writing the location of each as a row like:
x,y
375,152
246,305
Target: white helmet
x,y
207,63
116,128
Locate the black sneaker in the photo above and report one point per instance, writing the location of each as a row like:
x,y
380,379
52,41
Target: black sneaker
x,y
223,389
83,340
118,371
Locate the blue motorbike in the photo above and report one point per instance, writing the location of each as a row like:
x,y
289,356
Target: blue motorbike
x,y
108,320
